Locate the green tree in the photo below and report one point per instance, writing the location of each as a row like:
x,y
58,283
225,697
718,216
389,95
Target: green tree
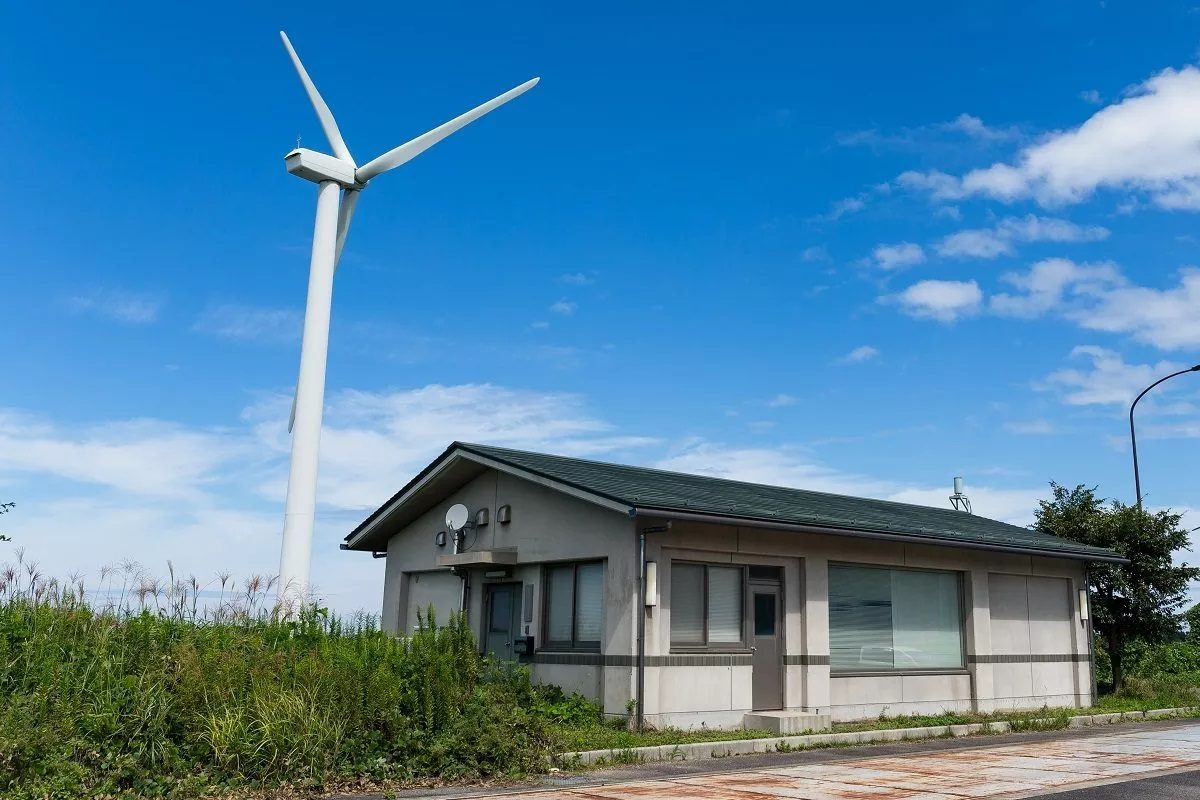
x,y
1140,600
1192,615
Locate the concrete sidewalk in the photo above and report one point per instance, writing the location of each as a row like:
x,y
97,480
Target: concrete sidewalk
x,y
1026,765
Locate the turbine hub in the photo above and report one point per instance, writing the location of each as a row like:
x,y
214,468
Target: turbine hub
x,y
319,167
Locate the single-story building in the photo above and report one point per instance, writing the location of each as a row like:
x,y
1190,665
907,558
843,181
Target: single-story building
x,y
707,599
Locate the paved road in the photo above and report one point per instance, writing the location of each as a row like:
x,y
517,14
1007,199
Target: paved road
x,y
1031,767
1180,786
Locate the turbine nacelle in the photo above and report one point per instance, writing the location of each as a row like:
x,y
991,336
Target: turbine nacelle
x,y
319,167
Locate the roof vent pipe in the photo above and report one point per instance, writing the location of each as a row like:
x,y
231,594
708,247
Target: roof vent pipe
x,y
959,500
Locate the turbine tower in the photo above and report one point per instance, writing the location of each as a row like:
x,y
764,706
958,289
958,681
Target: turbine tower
x,y
339,180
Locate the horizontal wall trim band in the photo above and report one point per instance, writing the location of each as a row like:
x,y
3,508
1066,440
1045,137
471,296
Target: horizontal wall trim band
x,y
677,660
806,661
1030,658
745,660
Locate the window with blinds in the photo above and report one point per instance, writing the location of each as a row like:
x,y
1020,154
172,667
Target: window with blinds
x,y
707,605
574,611
884,619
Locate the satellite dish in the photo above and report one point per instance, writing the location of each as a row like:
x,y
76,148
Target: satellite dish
x,y
456,517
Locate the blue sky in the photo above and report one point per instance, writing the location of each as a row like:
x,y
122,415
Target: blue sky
x,y
861,248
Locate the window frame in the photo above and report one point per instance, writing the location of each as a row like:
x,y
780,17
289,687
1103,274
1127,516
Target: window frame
x,y
742,646
960,581
575,645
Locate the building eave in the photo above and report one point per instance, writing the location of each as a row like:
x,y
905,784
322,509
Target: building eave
x,y
866,533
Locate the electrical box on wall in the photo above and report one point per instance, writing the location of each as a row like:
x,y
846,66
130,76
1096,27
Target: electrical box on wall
x,y
523,646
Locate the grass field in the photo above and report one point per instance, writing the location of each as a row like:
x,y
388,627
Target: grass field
x,y
143,694
174,689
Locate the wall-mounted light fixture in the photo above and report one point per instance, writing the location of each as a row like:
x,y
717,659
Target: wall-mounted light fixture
x,y
651,583
1083,605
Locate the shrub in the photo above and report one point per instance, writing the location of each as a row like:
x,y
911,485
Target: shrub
x,y
147,695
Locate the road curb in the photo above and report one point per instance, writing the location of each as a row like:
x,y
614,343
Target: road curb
x,y
737,747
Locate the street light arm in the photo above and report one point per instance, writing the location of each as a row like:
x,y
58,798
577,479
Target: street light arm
x,y
1137,480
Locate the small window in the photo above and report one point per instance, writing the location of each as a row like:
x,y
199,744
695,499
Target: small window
x,y
706,606
894,619
574,606
764,614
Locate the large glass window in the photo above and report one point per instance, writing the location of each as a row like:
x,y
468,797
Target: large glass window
x,y
706,605
574,606
894,619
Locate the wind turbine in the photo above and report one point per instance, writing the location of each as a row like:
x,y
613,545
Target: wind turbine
x,y
340,181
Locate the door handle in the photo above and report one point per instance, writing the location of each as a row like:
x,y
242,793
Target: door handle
x,y
753,649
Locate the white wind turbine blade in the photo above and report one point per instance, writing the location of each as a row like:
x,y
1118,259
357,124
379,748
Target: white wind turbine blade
x,y
328,123
345,214
410,150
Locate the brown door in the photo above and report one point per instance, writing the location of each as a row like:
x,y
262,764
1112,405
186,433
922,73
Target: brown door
x,y
766,646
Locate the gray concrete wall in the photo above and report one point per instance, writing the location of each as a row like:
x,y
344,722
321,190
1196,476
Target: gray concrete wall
x,y
1053,656
1017,658
547,527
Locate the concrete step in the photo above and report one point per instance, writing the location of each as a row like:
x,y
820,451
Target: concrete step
x,y
786,723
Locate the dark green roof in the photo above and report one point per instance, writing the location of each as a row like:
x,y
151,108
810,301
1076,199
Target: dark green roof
x,y
646,490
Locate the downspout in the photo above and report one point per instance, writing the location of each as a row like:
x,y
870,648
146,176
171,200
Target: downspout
x,y
640,692
640,719
1091,634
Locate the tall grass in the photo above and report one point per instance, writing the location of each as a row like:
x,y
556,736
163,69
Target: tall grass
x,y
175,689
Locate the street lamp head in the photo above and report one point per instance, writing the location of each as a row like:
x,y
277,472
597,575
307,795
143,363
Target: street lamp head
x,y
1195,368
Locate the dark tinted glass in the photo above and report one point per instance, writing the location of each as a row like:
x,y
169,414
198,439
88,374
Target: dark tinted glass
x,y
764,615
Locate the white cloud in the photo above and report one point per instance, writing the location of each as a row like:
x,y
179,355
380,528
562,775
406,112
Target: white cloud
x,y
1052,283
140,457
1098,297
131,308
251,323
1107,380
563,308
1094,296
975,128
577,279
372,442
926,137
781,400
859,354
1001,239
791,467
1146,142
896,256
1091,96
944,301
211,499
1032,427
1165,318
815,253
939,184
773,466
847,205
1014,506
